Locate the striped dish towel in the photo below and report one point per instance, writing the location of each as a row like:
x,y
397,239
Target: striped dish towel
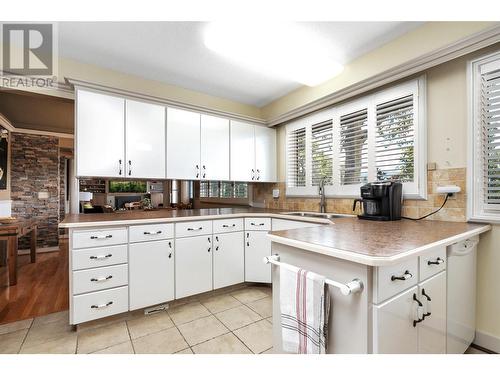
x,y
305,307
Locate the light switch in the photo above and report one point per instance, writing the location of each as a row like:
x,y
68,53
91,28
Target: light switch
x,y
276,193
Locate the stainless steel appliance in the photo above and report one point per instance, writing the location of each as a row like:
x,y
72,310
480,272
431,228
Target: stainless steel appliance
x,y
380,201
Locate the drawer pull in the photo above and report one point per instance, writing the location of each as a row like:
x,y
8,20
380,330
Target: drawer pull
x,y
102,306
102,278
227,226
407,275
257,225
438,261
153,233
101,237
191,229
99,257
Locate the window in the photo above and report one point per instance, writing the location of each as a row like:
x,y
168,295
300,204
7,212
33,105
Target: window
x,y
484,139
376,137
223,189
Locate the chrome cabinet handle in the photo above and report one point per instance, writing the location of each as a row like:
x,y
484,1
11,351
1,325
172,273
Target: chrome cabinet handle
x,y
170,247
438,261
253,174
191,229
99,257
428,305
102,278
217,238
406,275
120,170
152,233
227,226
204,171
258,174
197,171
420,313
130,167
257,225
101,306
101,237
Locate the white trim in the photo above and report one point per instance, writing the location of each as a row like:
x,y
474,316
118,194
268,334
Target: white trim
x,y
4,122
39,250
78,84
419,64
43,132
487,341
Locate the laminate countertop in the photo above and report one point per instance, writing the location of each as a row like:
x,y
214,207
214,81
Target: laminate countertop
x,y
377,243
165,216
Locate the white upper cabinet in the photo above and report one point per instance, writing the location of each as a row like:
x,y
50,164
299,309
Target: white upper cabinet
x,y
100,135
145,140
265,154
253,152
183,144
214,148
242,151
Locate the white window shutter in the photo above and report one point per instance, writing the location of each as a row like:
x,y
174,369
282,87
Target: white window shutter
x,y
322,153
353,150
395,139
296,158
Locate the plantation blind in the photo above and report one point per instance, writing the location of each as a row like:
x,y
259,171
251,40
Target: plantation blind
x,y
322,153
353,158
490,123
395,140
296,149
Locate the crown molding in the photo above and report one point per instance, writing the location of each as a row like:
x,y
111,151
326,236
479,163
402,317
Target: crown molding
x,y
162,101
460,48
42,132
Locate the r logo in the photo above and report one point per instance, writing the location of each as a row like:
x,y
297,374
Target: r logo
x,y
27,49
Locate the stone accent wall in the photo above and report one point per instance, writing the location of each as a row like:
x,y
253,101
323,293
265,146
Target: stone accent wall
x,y
35,167
454,210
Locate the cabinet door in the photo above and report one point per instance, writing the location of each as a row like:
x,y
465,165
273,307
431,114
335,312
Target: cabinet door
x,y
242,151
151,273
183,144
100,135
432,331
265,154
229,259
145,140
257,246
214,148
193,265
393,331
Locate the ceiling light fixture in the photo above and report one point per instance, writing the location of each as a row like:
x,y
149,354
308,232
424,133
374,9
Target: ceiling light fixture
x,y
285,50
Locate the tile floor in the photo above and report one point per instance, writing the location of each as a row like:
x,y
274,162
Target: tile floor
x,y
235,322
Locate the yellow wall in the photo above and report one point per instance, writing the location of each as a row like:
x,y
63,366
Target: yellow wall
x,y
418,42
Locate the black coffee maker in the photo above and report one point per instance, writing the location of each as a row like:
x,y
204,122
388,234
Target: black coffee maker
x,y
380,201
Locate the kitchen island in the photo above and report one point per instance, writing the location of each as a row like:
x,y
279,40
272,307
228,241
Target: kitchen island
x,y
403,267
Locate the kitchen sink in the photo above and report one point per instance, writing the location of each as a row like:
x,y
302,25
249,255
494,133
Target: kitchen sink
x,y
319,215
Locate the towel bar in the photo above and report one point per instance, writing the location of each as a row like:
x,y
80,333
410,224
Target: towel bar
x,y
354,286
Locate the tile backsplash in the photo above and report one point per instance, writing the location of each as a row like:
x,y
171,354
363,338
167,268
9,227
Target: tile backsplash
x,y
454,210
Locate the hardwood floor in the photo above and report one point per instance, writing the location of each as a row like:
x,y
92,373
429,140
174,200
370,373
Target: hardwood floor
x,y
42,287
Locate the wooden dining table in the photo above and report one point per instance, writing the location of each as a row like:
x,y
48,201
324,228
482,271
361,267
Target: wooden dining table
x,y
11,232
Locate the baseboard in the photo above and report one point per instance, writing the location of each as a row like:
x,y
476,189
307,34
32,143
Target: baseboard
x,y
487,341
39,250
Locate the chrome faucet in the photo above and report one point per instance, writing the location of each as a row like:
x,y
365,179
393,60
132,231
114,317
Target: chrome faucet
x,y
322,200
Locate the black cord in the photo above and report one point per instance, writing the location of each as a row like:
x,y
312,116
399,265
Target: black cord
x,y
432,213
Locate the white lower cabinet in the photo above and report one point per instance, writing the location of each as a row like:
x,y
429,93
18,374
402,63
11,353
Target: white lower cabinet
x,y
229,259
151,273
432,330
393,330
193,265
257,246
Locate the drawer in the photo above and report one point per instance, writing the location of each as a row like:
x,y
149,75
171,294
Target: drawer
x,y
150,232
98,305
99,237
99,278
392,280
98,257
257,223
229,225
193,228
432,262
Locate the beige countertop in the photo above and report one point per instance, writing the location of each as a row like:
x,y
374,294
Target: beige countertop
x,y
377,243
165,216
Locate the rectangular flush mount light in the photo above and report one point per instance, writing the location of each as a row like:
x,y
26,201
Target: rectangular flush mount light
x,y
289,51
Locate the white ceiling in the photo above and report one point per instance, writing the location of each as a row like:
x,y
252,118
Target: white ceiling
x,y
174,53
